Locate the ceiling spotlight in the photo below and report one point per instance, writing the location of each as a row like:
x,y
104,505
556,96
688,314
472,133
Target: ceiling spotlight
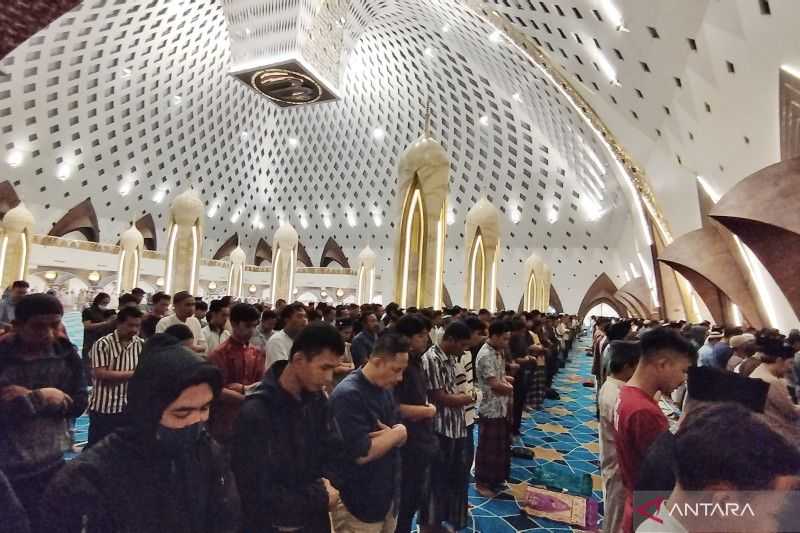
x,y
212,211
451,217
378,134
445,28
496,36
159,195
552,216
351,219
236,215
376,218
293,142
516,97
326,220
126,73
303,220
14,158
484,120
63,171
429,52
177,100
125,188
244,135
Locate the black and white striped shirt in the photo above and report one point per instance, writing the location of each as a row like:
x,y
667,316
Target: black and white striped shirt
x,y
110,398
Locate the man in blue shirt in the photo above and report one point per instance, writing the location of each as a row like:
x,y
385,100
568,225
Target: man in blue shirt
x,y
364,342
365,410
7,307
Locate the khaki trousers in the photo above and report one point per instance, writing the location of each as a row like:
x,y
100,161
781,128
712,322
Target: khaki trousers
x,y
344,522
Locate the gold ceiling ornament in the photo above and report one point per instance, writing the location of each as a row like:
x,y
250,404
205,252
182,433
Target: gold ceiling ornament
x,y
542,60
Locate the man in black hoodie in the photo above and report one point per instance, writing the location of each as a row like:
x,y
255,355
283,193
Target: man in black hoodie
x,y
161,473
285,437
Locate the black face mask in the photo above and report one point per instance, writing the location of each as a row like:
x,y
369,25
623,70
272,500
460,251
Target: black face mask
x,y
175,441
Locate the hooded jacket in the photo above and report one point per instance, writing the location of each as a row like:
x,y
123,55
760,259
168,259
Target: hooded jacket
x,y
129,482
281,448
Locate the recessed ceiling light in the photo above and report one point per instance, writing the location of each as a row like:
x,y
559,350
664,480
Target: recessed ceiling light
x,y
303,220
236,215
293,142
445,28
378,134
517,97
244,134
429,52
496,36
63,171
126,73
351,219
159,195
484,120
326,220
125,187
212,211
451,217
14,158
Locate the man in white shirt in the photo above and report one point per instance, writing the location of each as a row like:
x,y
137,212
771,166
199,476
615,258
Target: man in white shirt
x,y
624,356
183,307
215,332
279,345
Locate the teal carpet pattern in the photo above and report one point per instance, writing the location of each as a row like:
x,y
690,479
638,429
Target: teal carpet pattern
x,y
563,436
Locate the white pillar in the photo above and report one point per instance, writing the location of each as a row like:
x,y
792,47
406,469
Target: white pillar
x,y
284,262
236,273
130,259
366,276
15,246
184,244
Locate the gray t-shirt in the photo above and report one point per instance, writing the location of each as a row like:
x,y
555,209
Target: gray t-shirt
x,y
489,364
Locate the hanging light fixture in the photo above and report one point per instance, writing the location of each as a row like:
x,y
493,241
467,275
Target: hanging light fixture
x,y
212,286
339,292
94,276
252,289
50,275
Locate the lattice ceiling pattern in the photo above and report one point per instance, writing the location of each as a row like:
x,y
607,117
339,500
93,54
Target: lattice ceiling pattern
x,y
129,103
696,81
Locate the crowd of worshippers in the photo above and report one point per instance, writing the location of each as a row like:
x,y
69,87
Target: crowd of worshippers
x,y
691,414
230,417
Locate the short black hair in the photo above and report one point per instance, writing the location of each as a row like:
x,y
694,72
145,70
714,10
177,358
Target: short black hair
x,y
410,325
268,314
658,340
126,299
289,310
390,344
717,446
457,331
315,338
137,290
200,305
100,297
180,332
160,296
474,323
20,284
622,354
216,306
243,313
365,315
181,296
499,327
128,312
518,324
344,323
35,305
618,330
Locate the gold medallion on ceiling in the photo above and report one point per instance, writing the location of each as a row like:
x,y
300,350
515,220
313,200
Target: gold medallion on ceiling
x,y
286,87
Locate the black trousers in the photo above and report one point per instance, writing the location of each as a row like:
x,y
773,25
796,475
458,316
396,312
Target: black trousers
x,y
29,491
101,424
415,488
522,384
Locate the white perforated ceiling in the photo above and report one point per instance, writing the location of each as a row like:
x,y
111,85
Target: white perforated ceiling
x,y
129,103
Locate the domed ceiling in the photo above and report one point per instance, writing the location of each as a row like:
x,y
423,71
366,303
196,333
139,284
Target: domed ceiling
x,y
130,103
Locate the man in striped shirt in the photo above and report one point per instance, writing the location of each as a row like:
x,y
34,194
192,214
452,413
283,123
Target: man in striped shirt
x,y
114,358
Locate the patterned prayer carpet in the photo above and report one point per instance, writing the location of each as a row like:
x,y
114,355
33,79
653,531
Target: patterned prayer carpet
x,y
563,436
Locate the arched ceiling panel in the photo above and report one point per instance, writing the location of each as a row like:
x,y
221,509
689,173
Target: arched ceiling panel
x,y
106,103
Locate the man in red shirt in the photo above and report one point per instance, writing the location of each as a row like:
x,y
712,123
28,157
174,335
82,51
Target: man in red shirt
x,y
242,365
638,419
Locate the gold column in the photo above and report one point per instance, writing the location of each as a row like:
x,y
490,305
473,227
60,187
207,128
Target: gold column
x,y
482,234
184,243
15,246
423,185
366,276
130,259
284,262
236,273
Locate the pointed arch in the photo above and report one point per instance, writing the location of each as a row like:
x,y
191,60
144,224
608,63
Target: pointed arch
x,y
476,273
263,253
302,255
147,227
412,246
333,252
81,218
227,247
602,290
555,301
501,306
447,300
8,198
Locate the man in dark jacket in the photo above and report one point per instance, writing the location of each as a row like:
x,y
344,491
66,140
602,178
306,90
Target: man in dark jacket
x,y
42,387
285,436
163,472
